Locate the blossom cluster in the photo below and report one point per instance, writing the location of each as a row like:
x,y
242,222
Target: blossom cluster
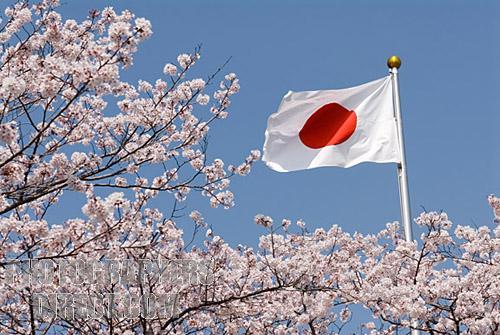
x,y
57,131
293,283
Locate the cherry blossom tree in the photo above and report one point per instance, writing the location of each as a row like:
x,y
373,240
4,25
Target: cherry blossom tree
x,y
70,127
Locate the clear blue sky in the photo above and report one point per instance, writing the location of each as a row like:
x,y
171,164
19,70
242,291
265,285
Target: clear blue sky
x,y
449,81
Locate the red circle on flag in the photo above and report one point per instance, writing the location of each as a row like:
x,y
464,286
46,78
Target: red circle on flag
x,y
331,124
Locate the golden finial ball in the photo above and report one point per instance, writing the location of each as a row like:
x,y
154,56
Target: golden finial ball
x,y
394,62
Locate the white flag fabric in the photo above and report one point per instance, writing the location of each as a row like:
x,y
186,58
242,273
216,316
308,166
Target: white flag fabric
x,y
333,128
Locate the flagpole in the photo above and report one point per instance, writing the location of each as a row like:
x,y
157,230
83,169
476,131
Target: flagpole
x,y
404,197
394,63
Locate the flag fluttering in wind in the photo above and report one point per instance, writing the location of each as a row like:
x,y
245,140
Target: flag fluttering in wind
x,y
333,128
342,128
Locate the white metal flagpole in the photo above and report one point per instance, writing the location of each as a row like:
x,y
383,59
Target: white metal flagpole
x,y
404,197
394,63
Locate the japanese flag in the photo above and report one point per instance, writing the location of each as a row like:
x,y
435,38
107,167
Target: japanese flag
x,y
333,128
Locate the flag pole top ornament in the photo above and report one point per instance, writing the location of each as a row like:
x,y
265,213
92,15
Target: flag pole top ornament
x,y
394,62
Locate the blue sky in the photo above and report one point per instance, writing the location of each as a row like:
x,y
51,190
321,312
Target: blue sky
x,y
449,82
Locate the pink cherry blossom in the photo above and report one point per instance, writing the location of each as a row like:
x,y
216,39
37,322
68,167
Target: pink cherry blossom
x,y
133,168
